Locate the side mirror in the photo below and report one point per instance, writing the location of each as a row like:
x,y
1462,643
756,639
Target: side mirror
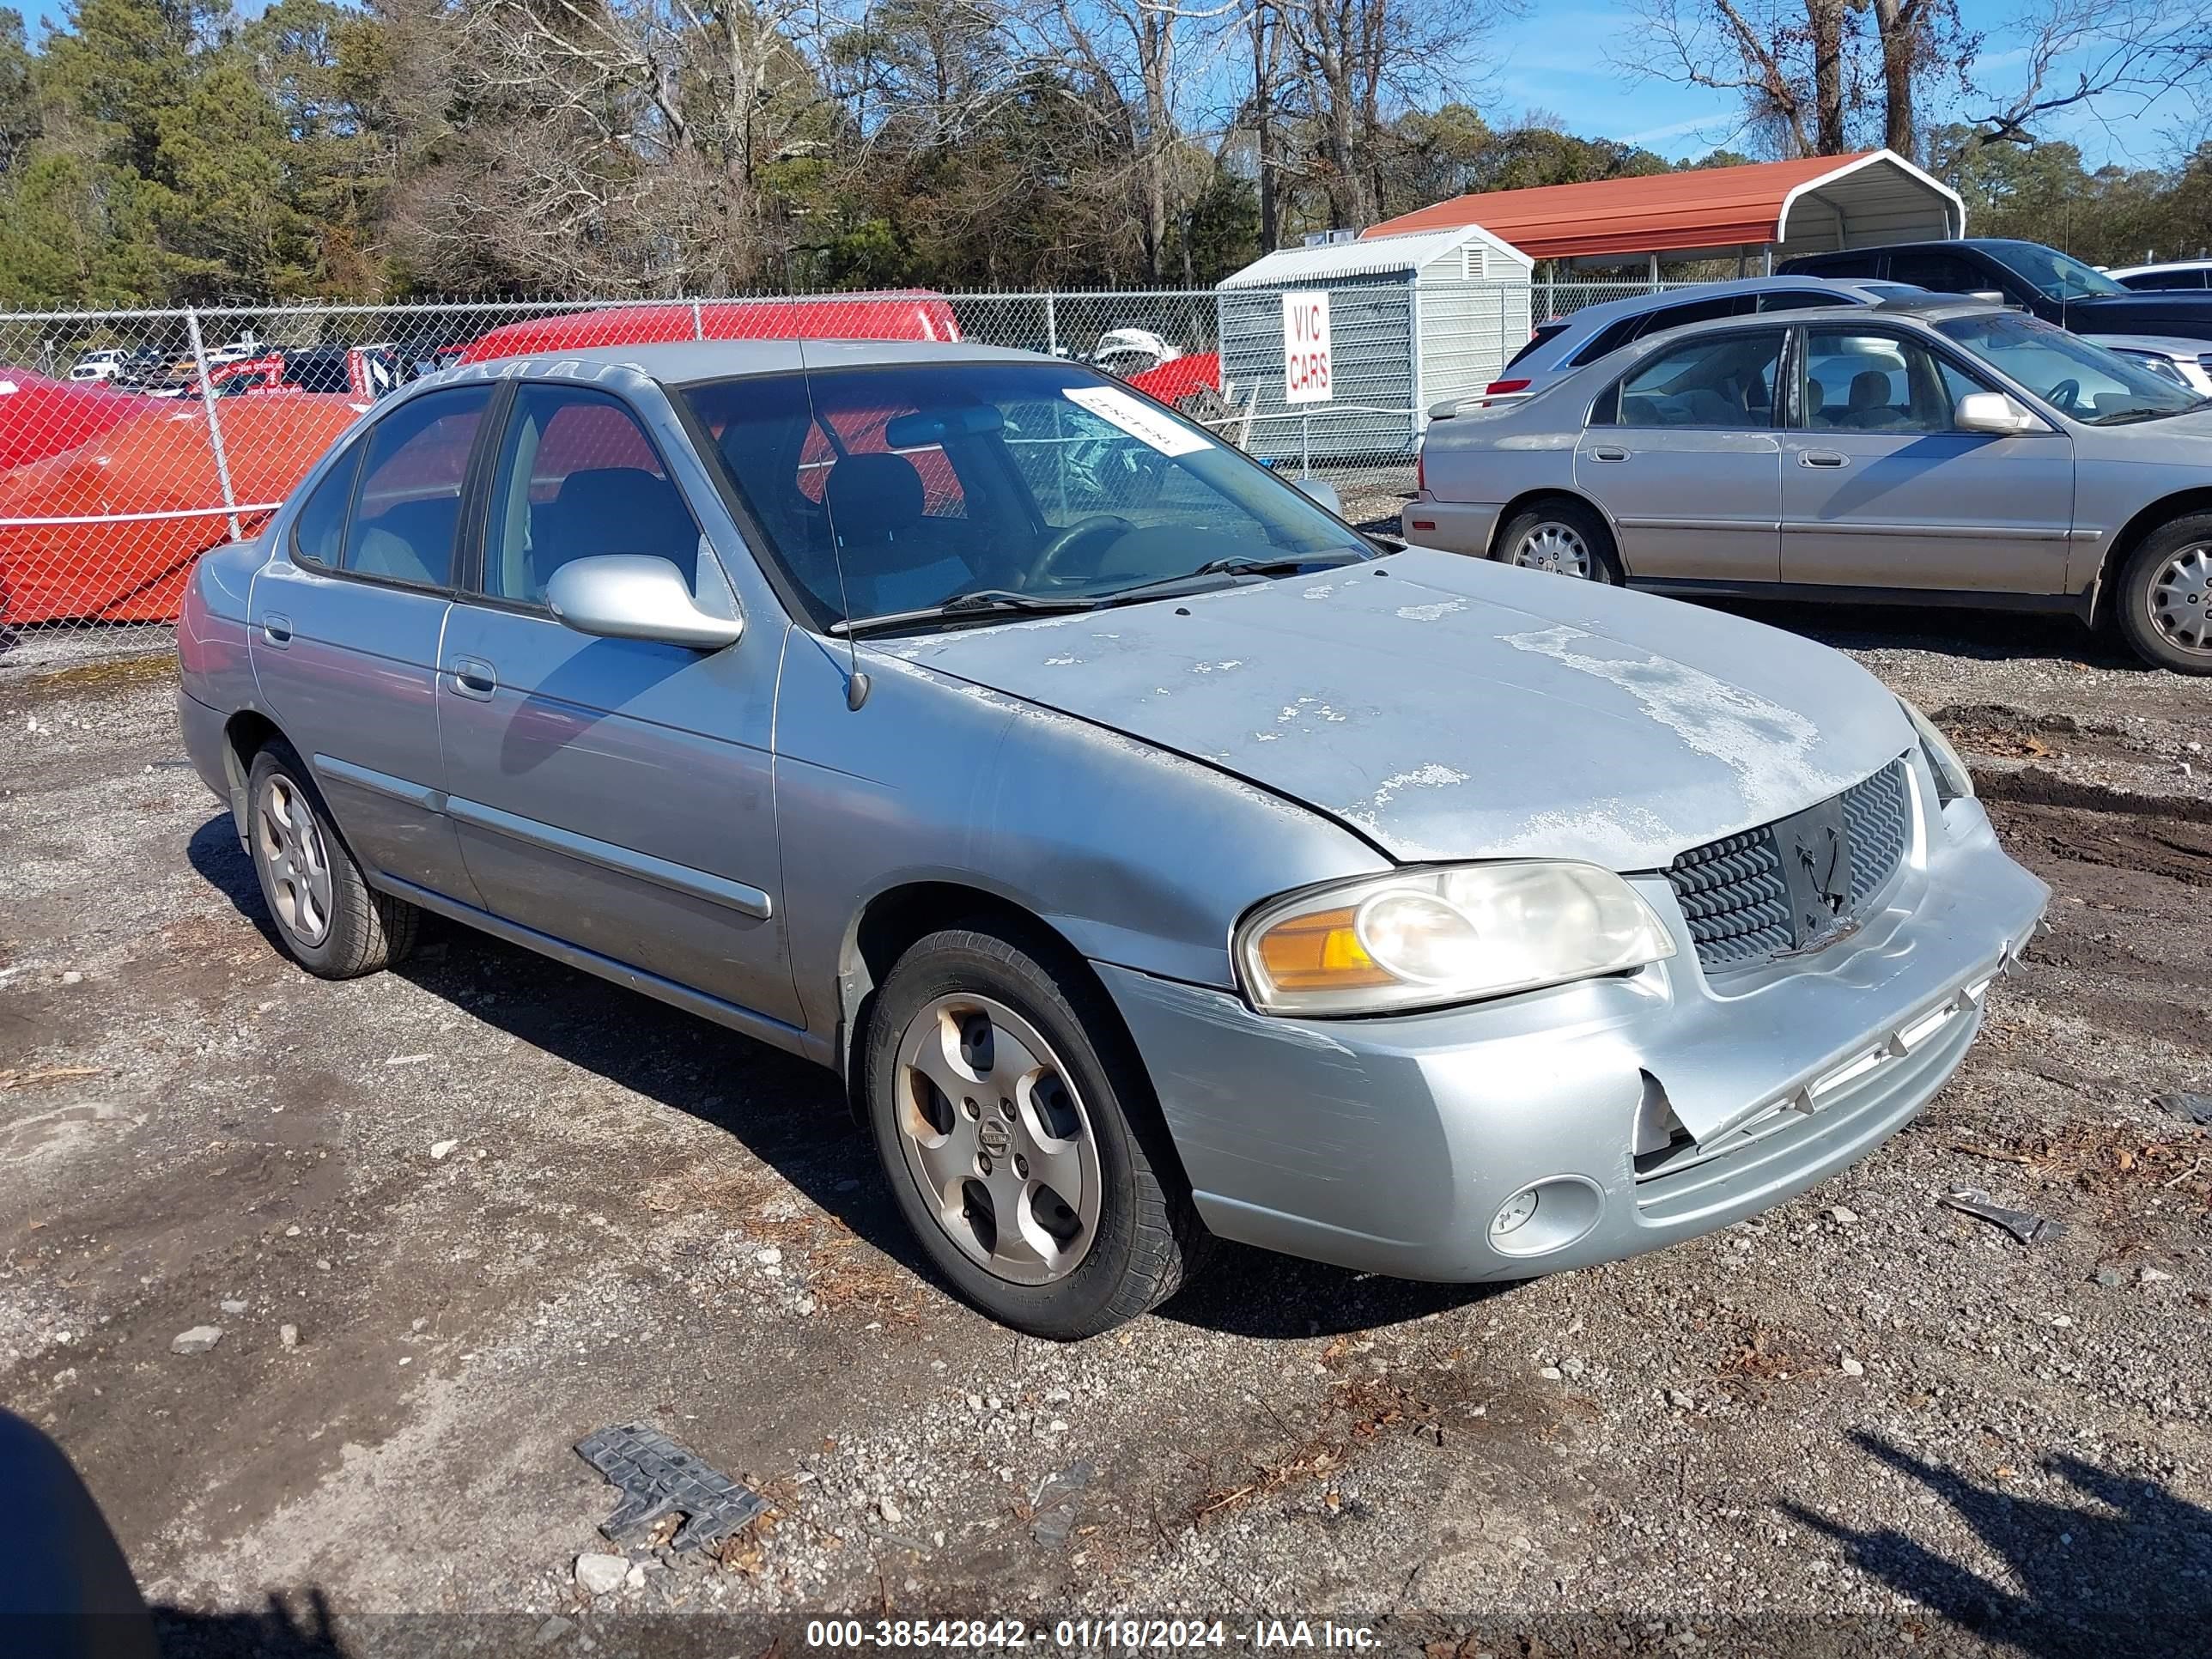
x,y
1993,412
631,596
1321,491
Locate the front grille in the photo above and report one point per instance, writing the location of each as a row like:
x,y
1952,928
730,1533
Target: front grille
x,y
1733,895
1878,818
1736,893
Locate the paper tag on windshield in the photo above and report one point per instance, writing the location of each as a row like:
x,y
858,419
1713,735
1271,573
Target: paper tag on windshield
x,y
1139,419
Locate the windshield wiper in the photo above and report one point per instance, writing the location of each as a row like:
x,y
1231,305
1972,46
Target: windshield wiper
x,y
1240,564
2133,416
983,600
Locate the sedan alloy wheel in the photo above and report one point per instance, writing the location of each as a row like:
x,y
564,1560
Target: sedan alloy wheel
x,y
2181,599
997,1139
1550,545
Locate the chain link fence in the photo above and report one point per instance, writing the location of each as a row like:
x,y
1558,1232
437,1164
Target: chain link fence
x,y
133,441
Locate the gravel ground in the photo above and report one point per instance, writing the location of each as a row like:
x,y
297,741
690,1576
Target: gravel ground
x,y
497,1205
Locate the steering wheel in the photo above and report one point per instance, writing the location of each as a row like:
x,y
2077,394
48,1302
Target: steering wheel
x,y
2065,395
1053,553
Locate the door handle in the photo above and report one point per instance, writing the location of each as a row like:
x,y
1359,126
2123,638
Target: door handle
x,y
473,677
1609,452
276,629
1821,458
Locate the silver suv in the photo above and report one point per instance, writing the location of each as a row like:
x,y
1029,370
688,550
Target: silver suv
x,y
1564,344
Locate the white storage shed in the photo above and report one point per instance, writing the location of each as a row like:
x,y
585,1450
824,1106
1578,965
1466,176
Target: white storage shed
x,y
1413,320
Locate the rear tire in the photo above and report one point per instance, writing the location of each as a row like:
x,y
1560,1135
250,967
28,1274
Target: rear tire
x,y
1021,1138
1562,536
2163,599
328,918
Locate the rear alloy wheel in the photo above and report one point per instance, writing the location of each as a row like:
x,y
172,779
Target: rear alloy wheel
x,y
1020,1136
331,921
1563,538
2164,601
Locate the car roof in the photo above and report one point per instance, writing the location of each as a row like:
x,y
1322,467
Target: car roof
x,y
2161,264
686,362
1929,308
1607,311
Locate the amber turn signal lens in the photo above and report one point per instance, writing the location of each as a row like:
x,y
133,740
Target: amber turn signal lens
x,y
1319,952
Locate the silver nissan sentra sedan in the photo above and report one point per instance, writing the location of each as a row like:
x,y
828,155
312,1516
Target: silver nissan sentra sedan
x,y
1151,855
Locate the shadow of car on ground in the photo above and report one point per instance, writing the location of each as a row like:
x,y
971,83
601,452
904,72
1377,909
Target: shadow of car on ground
x,y
792,1115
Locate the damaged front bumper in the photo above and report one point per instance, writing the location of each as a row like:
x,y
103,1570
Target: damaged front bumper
x,y
1594,1120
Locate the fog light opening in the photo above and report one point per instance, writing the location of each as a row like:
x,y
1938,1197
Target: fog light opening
x,y
1546,1215
1517,1212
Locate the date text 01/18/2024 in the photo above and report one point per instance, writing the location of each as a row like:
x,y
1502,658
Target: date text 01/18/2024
x,y
1089,1635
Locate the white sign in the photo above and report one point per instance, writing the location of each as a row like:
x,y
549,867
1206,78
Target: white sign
x,y
1305,347
1139,419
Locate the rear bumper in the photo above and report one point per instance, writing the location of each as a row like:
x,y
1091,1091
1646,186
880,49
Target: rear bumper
x,y
1452,526
208,751
1392,1145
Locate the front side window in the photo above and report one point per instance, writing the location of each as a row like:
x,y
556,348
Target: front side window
x,y
894,489
1717,380
409,509
1865,382
577,478
2085,381
2053,274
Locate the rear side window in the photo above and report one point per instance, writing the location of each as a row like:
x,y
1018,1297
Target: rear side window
x,y
1544,332
410,506
1866,263
1943,273
1800,298
1720,380
319,531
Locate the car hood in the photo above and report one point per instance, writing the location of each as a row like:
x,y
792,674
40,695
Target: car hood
x,y
1446,707
2165,312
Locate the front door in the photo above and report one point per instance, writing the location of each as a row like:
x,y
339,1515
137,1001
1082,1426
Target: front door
x,y
616,794
1684,457
1879,489
346,624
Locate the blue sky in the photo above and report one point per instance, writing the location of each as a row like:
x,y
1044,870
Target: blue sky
x,y
1563,61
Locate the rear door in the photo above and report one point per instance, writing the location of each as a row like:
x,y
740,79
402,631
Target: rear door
x,y
616,794
1683,455
346,624
1880,490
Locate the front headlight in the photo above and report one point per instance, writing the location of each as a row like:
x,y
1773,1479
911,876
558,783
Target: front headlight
x,y
1952,781
1424,939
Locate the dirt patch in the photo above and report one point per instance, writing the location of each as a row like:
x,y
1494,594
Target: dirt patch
x,y
635,1215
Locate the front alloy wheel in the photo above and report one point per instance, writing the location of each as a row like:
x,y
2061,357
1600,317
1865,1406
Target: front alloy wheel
x,y
997,1139
1019,1131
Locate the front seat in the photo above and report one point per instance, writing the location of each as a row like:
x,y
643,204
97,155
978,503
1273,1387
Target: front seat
x,y
612,509
1869,400
874,501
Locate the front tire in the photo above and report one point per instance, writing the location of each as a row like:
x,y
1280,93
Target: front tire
x,y
2165,596
1564,536
328,918
1020,1136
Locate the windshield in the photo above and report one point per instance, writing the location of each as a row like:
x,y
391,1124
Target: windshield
x,y
896,488
2053,274
2094,385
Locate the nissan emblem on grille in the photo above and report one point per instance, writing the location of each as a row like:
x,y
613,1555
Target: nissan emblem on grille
x,y
1799,883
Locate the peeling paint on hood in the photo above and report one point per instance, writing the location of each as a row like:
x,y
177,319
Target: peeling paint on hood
x,y
1451,708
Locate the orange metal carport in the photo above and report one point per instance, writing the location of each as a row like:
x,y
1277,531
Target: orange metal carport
x,y
1769,209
